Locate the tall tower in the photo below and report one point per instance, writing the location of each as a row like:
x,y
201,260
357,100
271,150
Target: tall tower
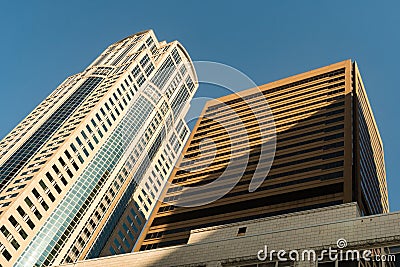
x,y
97,151
328,152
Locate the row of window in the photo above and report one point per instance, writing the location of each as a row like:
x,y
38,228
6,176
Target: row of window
x,y
23,128
131,228
274,104
334,96
372,170
135,117
276,157
211,173
121,50
230,139
126,237
281,88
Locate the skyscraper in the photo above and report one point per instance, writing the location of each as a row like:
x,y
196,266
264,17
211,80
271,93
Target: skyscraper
x,y
94,154
328,152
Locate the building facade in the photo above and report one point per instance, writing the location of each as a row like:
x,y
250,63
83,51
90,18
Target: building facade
x,y
239,244
94,155
327,152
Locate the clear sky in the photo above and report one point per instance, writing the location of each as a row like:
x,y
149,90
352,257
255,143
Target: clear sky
x,y
43,42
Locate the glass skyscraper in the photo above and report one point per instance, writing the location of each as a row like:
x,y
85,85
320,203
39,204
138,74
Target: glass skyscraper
x,y
81,173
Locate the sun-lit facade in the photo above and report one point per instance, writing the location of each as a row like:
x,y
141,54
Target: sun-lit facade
x,y
325,194
328,152
95,154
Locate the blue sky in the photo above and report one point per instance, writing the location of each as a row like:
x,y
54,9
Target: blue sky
x,y
42,43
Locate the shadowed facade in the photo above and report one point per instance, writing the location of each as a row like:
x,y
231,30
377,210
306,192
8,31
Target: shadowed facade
x,y
328,152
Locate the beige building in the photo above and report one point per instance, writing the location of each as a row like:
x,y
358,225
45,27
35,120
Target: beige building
x,y
308,141
86,166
